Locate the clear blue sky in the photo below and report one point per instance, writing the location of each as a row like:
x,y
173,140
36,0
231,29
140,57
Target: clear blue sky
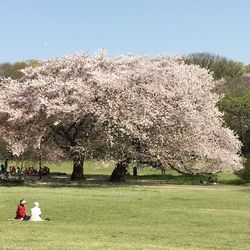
x,y
41,29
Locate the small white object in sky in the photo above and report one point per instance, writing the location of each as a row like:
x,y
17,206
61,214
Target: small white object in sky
x,y
45,44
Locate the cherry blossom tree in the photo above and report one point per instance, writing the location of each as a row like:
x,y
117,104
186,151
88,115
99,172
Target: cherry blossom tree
x,y
73,105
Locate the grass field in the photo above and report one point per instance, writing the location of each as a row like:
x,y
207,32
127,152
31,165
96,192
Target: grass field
x,y
111,217
129,216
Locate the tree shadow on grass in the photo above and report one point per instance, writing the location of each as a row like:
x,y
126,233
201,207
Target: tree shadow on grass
x,y
186,179
58,179
167,179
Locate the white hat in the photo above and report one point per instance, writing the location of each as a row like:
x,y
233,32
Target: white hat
x,y
36,204
23,201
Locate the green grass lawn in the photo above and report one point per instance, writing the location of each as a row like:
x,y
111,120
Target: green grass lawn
x,y
151,215
129,217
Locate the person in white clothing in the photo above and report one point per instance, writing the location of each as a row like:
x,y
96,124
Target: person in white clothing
x,y
36,213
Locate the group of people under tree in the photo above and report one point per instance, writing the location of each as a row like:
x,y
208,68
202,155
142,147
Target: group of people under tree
x,y
27,171
209,181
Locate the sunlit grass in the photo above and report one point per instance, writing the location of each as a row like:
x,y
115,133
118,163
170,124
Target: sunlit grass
x,y
128,217
153,215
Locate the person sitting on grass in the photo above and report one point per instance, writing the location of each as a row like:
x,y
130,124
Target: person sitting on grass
x,y
212,181
36,213
21,211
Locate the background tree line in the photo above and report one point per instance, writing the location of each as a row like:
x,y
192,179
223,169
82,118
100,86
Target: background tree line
x,y
12,70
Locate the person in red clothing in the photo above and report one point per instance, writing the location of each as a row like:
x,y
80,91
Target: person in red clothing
x,y
21,211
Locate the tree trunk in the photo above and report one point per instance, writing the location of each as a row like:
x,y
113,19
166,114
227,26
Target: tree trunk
x,y
78,173
6,163
120,171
